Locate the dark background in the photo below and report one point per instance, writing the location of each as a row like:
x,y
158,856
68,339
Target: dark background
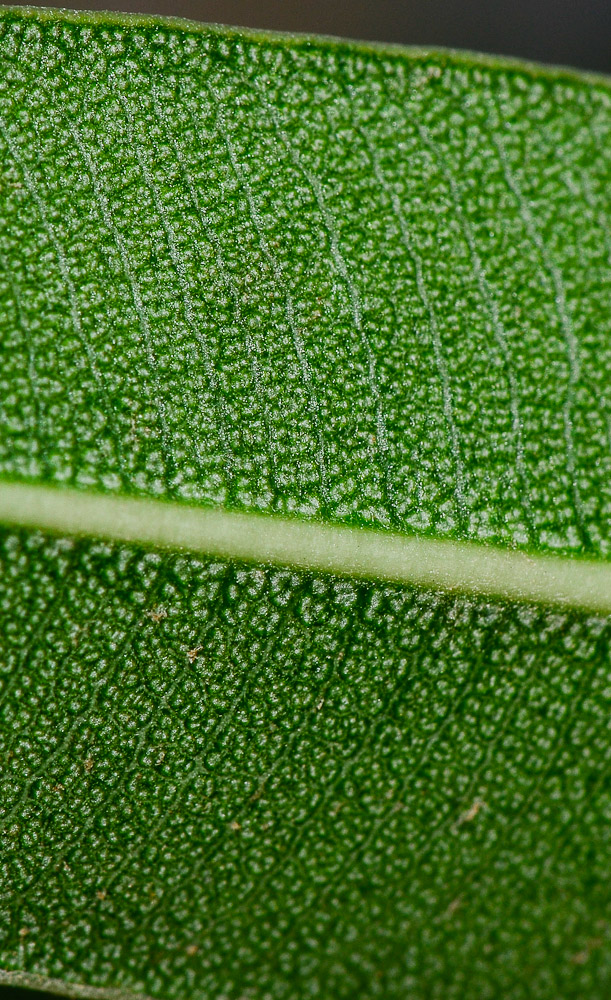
x,y
570,32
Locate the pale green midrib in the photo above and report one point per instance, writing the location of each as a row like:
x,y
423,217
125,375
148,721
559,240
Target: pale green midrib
x,y
440,564
66,988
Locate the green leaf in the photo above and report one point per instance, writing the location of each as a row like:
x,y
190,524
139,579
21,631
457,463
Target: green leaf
x,y
305,484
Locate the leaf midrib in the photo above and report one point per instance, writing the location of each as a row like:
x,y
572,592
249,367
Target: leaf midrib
x,y
365,553
66,988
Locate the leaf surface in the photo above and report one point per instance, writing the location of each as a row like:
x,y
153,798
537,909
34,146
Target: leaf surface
x,y
305,477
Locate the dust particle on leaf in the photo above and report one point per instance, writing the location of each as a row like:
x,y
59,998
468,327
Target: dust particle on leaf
x,y
157,614
471,813
453,907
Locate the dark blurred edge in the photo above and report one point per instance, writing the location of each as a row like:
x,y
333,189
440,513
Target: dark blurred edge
x,y
17,993
566,32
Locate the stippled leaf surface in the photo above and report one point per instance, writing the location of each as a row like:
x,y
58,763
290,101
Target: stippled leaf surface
x,y
338,286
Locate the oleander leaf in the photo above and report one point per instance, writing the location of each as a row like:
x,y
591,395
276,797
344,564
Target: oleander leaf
x,y
305,461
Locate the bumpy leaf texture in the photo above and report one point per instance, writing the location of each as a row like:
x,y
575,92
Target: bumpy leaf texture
x,y
333,283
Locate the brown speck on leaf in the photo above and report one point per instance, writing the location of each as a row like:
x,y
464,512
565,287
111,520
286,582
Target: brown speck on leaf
x,y
257,795
191,950
193,653
88,764
580,957
24,931
157,614
57,788
101,894
234,825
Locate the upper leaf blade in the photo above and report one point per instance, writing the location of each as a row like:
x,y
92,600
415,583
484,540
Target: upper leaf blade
x,y
307,278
